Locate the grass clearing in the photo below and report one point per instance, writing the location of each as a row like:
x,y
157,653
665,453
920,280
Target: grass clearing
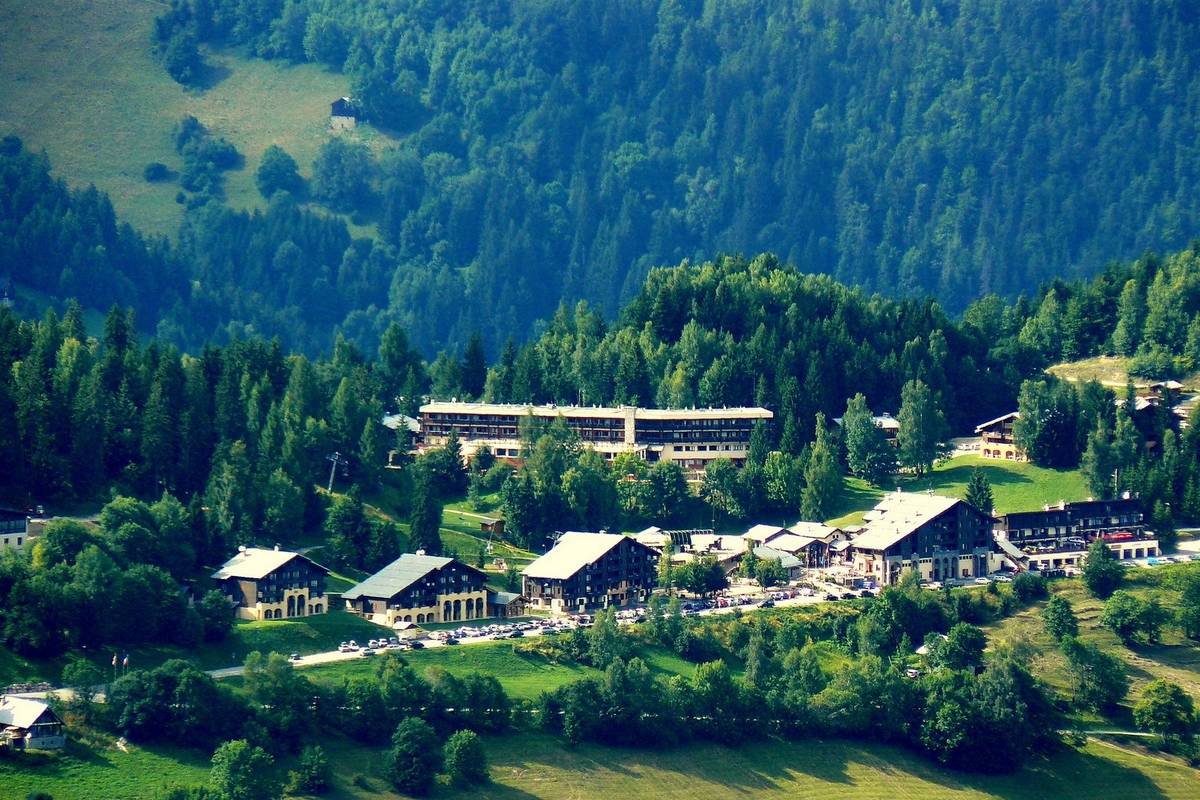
x,y
99,769
1174,658
537,766
1015,486
81,82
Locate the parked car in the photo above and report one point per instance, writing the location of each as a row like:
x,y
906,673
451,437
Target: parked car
x,y
830,596
849,595
416,645
450,640
353,645
1004,578
294,657
866,593
768,603
345,647
516,634
982,581
367,651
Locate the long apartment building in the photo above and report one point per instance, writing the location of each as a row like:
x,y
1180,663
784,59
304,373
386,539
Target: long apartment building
x,y
688,437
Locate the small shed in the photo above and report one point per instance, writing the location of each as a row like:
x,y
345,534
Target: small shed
x,y
505,605
407,630
492,526
343,114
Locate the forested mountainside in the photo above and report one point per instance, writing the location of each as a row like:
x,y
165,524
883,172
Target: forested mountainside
x,y
560,149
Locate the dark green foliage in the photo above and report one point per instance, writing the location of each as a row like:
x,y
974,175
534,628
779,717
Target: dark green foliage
x,y
277,172
241,771
1103,573
313,773
342,174
979,491
1059,619
575,145
1167,710
466,763
414,758
175,702
1099,680
155,171
1029,586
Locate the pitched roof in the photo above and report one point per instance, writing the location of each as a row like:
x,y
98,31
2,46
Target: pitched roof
x,y
898,515
502,598
398,576
256,563
786,560
813,530
791,543
20,712
1004,418
764,533
573,551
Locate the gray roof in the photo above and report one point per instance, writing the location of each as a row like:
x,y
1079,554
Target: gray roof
x,y
770,553
255,563
20,712
504,598
398,576
573,551
900,514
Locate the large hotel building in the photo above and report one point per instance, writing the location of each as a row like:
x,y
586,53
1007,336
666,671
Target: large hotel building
x,y
689,437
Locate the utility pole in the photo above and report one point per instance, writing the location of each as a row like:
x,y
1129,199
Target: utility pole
x,y
335,460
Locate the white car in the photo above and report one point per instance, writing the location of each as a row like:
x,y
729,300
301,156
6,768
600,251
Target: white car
x,y
981,581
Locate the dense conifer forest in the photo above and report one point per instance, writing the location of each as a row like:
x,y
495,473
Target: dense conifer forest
x,y
560,149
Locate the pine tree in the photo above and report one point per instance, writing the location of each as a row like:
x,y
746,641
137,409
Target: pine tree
x,y
923,430
868,453
1097,463
979,491
474,367
425,514
821,477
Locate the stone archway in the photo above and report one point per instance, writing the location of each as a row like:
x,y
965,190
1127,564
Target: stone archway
x,y
291,606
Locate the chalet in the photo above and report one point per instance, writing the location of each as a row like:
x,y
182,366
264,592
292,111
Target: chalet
x,y
940,537
762,534
421,589
273,584
997,438
27,724
591,570
343,114
1057,536
14,529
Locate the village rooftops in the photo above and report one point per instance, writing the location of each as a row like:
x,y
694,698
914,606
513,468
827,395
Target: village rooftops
x,y
518,409
790,542
20,712
812,530
256,563
573,551
764,533
898,515
786,560
713,542
398,576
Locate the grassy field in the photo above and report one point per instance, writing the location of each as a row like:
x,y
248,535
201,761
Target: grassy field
x,y
305,635
99,769
1174,658
1015,486
524,676
81,82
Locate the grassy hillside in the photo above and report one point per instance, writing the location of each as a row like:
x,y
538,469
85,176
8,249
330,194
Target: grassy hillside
x,y
1174,658
1016,487
81,82
535,766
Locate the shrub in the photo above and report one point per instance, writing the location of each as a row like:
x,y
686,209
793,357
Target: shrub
x,y
155,171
